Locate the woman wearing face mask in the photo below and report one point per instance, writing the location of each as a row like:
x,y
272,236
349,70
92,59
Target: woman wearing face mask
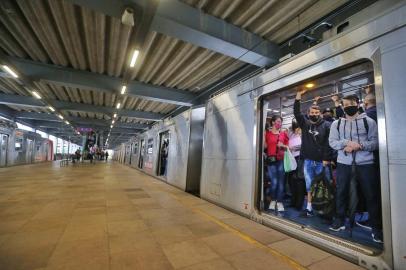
x,y
276,142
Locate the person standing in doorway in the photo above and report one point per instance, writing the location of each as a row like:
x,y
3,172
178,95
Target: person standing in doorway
x,y
276,142
315,149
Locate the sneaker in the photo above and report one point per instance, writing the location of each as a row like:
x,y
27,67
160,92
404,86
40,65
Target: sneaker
x,y
272,205
364,224
279,207
307,213
338,225
377,237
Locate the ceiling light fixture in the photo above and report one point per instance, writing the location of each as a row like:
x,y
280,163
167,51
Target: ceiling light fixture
x,y
66,122
309,85
134,58
10,71
112,122
111,126
115,115
60,116
51,108
36,95
123,89
118,105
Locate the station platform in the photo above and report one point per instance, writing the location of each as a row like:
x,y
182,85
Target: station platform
x,y
110,216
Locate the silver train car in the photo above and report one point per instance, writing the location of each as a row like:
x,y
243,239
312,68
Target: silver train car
x,y
18,147
171,150
370,55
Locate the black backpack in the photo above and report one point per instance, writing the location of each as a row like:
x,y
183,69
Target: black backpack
x,y
365,125
323,198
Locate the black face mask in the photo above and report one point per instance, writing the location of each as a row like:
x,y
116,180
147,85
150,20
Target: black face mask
x,y
314,118
351,110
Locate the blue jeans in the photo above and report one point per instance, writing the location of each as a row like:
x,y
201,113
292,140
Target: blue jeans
x,y
312,168
277,174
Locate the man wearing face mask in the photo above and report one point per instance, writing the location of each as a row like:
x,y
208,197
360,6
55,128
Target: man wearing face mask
x,y
315,148
355,137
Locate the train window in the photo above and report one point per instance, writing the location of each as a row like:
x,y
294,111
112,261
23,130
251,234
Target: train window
x,y
135,148
18,144
322,192
150,146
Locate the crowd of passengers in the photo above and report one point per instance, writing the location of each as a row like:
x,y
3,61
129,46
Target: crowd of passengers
x,y
336,143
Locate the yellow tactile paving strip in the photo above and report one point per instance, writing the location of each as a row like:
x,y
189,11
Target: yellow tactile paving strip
x,y
110,216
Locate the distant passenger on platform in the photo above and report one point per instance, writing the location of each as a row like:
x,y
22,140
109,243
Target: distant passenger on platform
x,y
77,154
315,149
106,155
355,137
276,142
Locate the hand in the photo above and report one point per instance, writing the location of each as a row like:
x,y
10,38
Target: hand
x,y
368,90
354,145
300,93
348,149
316,99
325,163
281,145
335,98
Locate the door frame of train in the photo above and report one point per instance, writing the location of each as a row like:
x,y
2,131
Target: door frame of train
x,y
335,57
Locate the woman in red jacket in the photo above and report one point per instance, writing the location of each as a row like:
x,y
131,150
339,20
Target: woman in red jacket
x,y
276,142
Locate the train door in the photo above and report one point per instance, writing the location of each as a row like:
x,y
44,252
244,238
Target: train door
x,y
3,149
142,154
314,195
30,151
163,154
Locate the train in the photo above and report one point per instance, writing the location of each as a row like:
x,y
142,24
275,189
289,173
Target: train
x,y
219,154
19,147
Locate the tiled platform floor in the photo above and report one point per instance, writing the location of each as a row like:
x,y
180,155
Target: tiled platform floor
x,y
109,216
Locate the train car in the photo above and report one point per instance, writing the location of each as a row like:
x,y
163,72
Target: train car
x,y
368,56
18,147
171,150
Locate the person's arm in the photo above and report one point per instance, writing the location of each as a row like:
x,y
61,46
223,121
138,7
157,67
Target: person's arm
x,y
371,144
339,109
333,139
301,120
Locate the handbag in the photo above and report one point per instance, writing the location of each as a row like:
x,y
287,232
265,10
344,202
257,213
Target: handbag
x,y
289,161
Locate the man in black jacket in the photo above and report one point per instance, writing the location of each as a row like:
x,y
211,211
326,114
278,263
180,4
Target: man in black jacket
x,y
315,148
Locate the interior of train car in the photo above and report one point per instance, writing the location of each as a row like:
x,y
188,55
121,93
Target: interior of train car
x,y
290,199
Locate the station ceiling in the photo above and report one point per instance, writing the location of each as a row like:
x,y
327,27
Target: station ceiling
x,y
76,54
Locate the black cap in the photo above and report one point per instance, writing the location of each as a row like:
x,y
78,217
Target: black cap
x,y
327,110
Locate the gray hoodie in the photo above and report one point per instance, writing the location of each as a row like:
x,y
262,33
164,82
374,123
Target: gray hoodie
x,y
349,132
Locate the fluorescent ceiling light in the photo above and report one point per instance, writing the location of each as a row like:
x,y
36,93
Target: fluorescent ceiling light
x,y
112,122
123,89
60,116
51,108
118,105
111,126
36,95
115,115
11,72
66,122
134,58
